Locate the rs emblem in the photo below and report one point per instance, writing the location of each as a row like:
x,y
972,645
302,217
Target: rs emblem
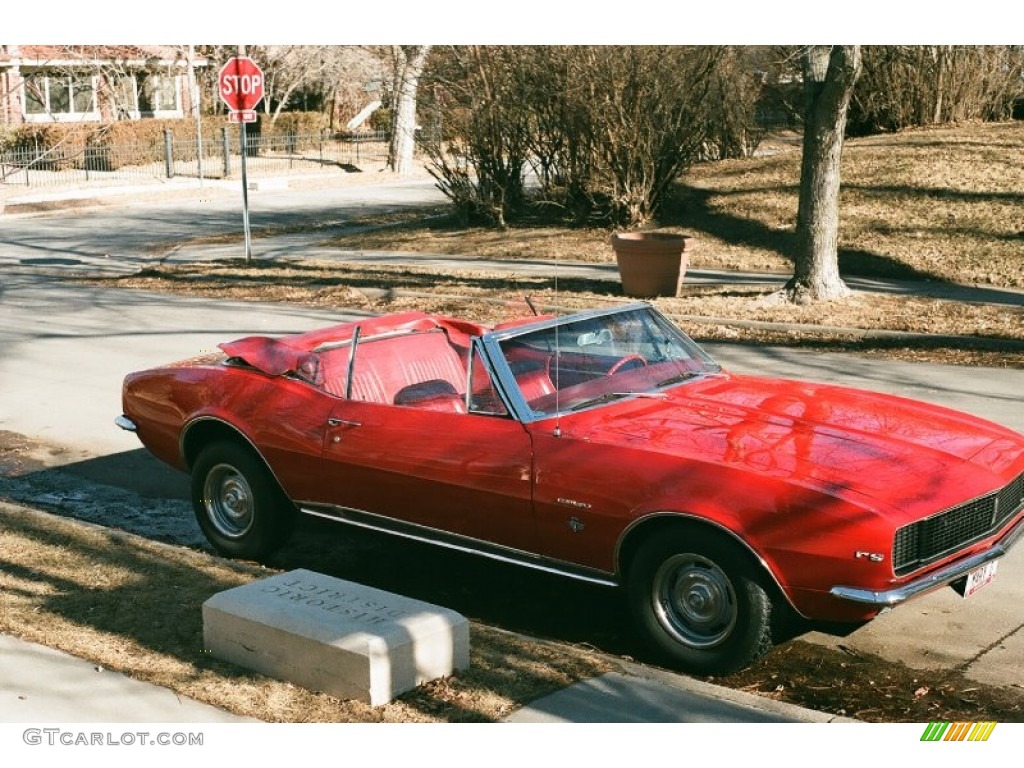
x,y
874,557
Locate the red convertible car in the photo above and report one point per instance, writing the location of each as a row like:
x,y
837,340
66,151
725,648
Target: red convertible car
x,y
604,446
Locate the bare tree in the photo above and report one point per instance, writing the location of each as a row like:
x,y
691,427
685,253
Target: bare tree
x,y
830,72
408,63
320,73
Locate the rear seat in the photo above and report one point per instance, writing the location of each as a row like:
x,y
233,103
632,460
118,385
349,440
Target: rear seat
x,y
384,367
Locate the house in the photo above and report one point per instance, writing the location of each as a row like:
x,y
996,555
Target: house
x,y
95,83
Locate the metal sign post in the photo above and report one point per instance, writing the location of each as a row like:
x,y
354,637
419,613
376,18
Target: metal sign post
x,y
241,88
245,197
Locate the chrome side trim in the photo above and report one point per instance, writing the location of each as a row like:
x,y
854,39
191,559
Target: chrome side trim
x,y
932,581
125,423
415,532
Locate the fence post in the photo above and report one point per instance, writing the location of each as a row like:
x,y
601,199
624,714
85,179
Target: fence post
x,y
225,151
168,153
29,164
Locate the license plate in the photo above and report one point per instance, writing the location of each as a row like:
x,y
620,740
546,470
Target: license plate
x,y
979,577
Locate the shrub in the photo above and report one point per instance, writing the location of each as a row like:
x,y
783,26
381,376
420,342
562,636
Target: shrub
x,y
606,129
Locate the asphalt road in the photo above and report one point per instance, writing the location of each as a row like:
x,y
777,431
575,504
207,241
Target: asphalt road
x,y
64,349
124,236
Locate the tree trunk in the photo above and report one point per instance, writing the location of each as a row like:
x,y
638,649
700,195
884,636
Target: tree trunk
x,y
940,67
829,76
409,61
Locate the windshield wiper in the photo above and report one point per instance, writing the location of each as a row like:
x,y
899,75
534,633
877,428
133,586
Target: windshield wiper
x,y
677,378
609,396
606,397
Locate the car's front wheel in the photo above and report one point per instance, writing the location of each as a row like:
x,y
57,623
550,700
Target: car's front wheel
x,y
238,504
698,601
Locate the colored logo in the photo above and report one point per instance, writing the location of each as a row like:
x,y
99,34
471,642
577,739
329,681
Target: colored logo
x,y
958,731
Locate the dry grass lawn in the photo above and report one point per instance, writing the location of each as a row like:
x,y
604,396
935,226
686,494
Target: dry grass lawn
x,y
944,204
133,605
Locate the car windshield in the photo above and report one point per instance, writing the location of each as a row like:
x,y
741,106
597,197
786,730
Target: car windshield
x,y
592,359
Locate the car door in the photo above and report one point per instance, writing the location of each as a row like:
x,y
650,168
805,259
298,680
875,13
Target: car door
x,y
464,473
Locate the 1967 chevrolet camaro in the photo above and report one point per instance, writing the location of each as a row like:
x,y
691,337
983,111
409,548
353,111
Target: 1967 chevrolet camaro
x,y
604,446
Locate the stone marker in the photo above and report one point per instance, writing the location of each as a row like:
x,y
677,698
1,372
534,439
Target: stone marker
x,y
335,636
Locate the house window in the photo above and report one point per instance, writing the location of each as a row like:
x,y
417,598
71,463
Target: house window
x,y
158,93
124,97
35,95
60,96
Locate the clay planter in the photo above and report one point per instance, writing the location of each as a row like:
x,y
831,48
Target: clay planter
x,y
651,263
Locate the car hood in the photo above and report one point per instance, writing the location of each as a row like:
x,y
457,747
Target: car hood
x,y
845,442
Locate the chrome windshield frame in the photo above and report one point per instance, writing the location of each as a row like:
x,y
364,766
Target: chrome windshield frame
x,y
503,378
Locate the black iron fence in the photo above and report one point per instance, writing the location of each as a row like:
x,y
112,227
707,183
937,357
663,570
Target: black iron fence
x,y
216,156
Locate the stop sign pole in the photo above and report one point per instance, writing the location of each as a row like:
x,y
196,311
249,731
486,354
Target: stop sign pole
x,y
241,88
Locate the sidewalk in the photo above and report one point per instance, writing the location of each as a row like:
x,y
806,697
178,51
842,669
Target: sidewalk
x,y
302,246
41,685
306,245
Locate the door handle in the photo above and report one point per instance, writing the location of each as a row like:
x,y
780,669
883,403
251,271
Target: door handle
x,y
332,422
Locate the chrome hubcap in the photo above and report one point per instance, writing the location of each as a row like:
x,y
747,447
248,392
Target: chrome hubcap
x,y
694,601
228,501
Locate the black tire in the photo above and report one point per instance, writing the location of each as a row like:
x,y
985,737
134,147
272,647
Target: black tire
x,y
239,506
696,598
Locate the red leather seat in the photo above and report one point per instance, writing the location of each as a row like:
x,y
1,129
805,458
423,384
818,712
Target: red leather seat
x,y
535,383
432,395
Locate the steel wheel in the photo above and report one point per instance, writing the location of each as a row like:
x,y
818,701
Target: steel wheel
x,y
694,601
228,500
239,506
697,598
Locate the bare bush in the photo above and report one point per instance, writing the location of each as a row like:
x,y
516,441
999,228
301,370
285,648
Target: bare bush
x,y
479,157
904,86
605,129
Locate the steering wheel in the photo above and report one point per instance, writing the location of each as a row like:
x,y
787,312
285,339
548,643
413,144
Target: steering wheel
x,y
618,365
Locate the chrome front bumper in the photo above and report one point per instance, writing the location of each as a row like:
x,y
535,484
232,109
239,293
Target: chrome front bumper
x,y
931,581
125,423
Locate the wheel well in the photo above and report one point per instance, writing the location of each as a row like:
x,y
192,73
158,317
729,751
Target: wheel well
x,y
204,432
659,525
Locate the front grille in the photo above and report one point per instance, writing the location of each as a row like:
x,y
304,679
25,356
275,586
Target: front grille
x,y
926,541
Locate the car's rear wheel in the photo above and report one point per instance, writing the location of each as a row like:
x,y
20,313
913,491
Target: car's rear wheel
x,y
699,602
238,504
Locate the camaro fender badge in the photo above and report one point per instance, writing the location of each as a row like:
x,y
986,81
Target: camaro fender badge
x,y
573,503
874,557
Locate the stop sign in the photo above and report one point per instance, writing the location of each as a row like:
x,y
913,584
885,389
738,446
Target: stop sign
x,y
241,84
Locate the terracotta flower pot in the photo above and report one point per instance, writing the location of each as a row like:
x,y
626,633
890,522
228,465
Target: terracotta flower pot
x,y
651,263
